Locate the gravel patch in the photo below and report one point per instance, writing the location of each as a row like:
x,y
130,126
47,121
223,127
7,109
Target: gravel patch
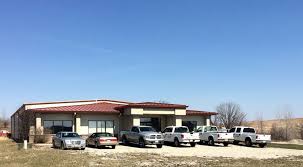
x,y
232,151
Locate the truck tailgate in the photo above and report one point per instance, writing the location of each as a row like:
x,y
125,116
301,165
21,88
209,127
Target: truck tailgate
x,y
261,137
225,136
191,136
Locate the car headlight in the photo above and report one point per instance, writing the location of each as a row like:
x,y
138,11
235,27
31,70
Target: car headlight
x,y
83,142
67,141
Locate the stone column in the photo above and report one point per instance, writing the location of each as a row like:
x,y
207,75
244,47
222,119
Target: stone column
x,y
39,128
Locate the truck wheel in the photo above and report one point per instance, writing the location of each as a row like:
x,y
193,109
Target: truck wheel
x,y
225,144
54,146
176,142
192,144
248,142
124,141
62,146
262,145
141,143
159,145
211,142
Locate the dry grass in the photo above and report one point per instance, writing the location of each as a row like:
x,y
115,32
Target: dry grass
x,y
11,156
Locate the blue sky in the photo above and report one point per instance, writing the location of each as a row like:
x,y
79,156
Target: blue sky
x,y
193,52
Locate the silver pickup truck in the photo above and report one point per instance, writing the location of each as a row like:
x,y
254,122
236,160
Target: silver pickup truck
x,y
142,135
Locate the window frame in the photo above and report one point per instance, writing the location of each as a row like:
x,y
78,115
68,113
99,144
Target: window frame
x,y
53,123
105,127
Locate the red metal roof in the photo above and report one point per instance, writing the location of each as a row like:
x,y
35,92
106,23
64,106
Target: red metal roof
x,y
196,112
96,107
111,108
152,105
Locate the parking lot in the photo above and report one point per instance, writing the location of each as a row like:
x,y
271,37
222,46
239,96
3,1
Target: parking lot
x,y
232,151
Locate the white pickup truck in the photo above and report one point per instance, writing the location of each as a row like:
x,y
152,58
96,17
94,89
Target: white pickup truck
x,y
210,135
249,137
180,135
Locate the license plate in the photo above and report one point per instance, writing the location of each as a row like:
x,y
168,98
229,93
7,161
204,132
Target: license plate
x,y
156,141
108,140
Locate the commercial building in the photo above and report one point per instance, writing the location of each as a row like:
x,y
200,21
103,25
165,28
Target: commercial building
x,y
89,116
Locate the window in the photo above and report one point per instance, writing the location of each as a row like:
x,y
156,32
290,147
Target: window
x,y
199,129
168,130
210,129
249,130
70,135
100,126
238,130
147,129
53,127
232,130
181,130
153,122
192,125
135,129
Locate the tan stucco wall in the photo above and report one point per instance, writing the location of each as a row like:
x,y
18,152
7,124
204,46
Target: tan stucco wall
x,y
157,111
154,111
136,111
178,120
57,116
180,111
136,121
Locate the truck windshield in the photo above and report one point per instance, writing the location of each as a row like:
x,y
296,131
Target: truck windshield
x,y
211,129
70,135
147,129
181,130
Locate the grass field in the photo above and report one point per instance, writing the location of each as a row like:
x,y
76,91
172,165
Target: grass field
x,y
10,156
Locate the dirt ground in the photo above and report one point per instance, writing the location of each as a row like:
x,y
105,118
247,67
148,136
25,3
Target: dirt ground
x,y
44,155
232,151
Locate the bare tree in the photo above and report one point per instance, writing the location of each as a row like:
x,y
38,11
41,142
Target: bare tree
x,y
230,114
301,130
285,117
260,122
277,132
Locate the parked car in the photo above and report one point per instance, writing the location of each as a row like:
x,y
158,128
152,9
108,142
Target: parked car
x,y
68,140
101,140
210,135
180,135
249,137
142,135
